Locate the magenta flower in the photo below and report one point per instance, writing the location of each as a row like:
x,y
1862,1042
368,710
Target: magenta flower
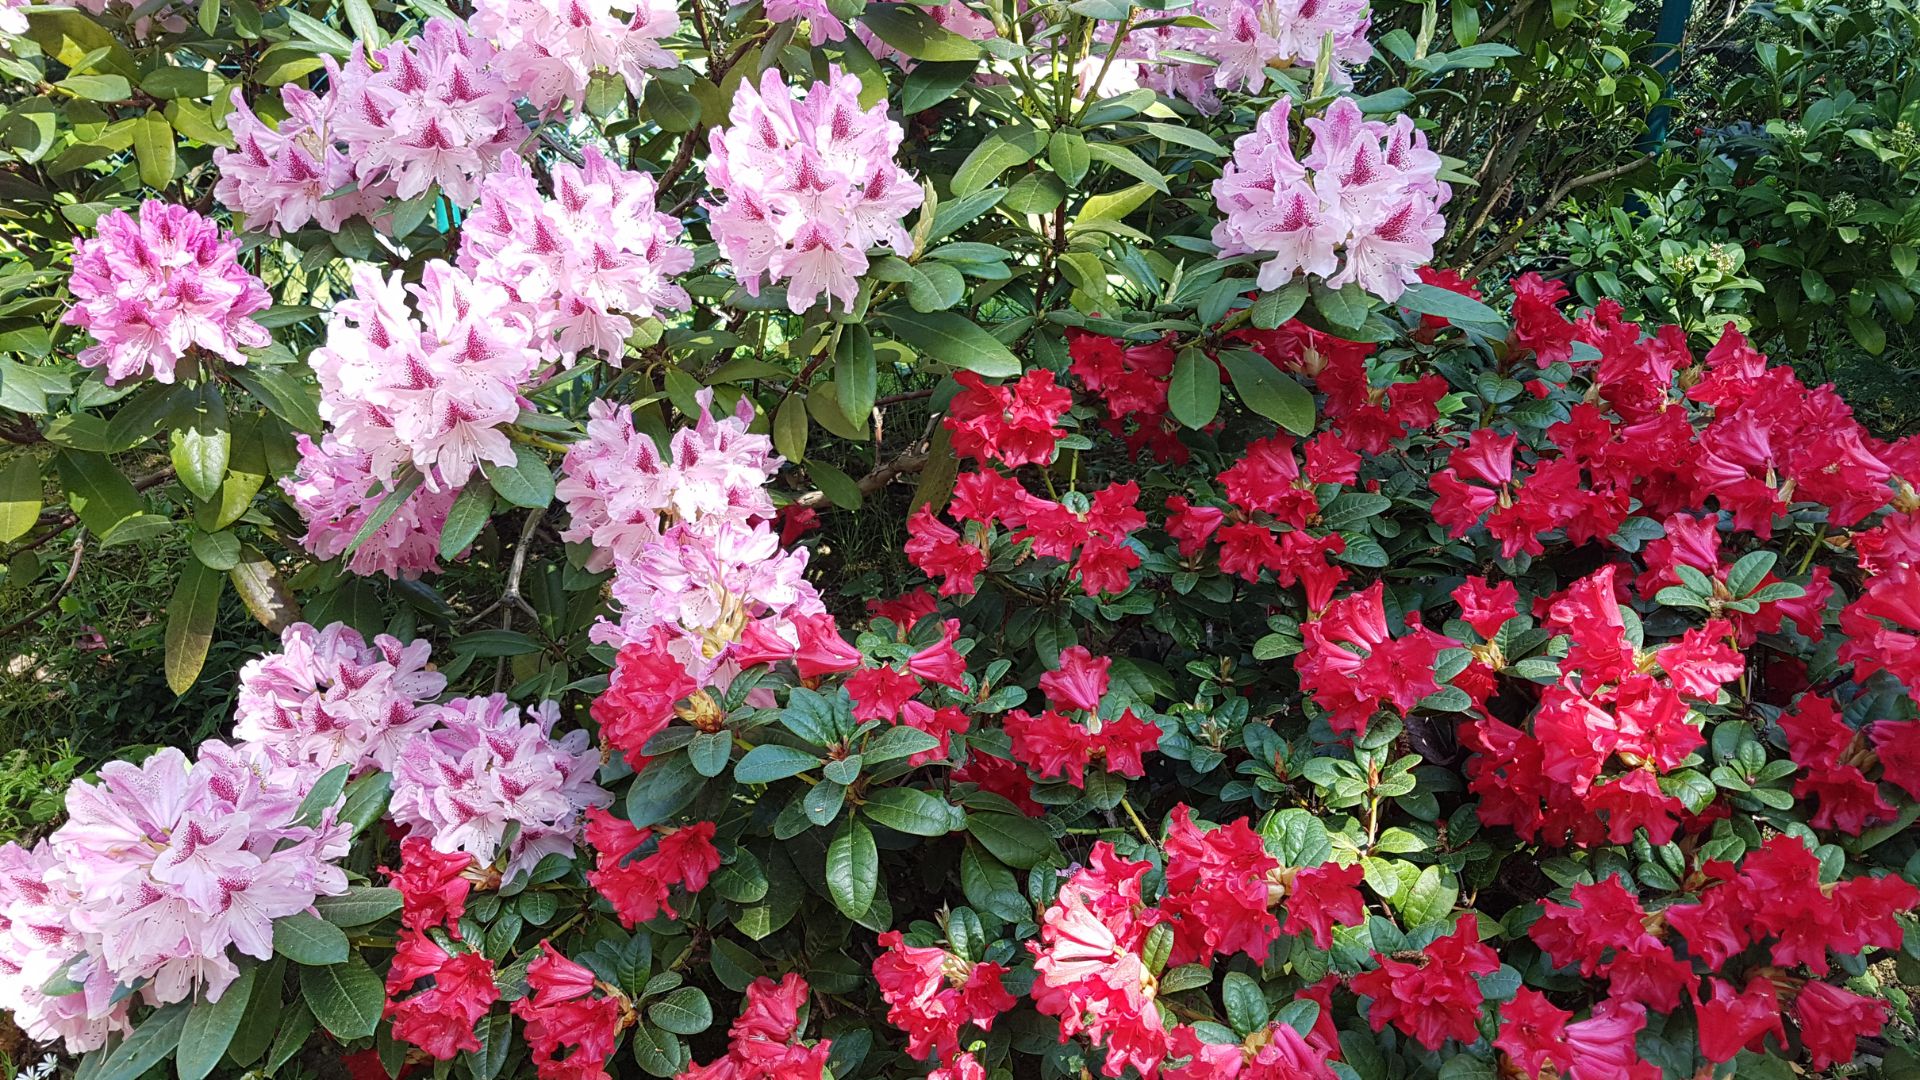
x,y
549,50
807,187
281,178
335,491
149,289
327,697
1245,38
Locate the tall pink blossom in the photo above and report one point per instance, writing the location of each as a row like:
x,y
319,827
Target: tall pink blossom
x,y
149,289
428,110
280,178
583,264
485,768
335,491
1244,39
38,940
1362,206
549,50
807,187
429,384
329,698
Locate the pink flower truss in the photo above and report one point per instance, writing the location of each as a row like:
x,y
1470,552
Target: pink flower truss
x,y
430,390
327,697
38,941
550,49
621,491
150,288
335,491
1246,38
807,187
484,768
1368,191
704,583
172,862
281,178
428,110
584,263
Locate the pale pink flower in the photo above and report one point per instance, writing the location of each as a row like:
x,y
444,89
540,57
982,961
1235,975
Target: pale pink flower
x,y
1245,38
485,768
152,288
822,24
427,110
39,941
280,178
12,19
335,491
431,390
549,50
807,187
583,264
328,698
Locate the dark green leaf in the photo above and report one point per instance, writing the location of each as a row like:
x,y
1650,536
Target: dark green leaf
x,y
309,940
853,868
346,998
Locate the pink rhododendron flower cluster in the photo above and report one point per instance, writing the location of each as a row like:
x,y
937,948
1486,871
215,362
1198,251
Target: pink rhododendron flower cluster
x,y
806,187
329,698
1245,39
484,768
1091,975
282,177
1363,205
335,490
428,110
154,287
428,385
160,872
549,50
583,264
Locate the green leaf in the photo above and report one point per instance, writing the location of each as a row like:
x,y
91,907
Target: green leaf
x,y
1273,309
1749,572
855,372
1016,840
202,447
853,868
839,488
156,1037
1346,308
527,482
210,1027
930,84
96,87
1067,153
790,428
262,1016
898,742
97,492
954,340
495,1032
1124,160
309,940
466,518
153,148
366,802
1002,149
358,906
1431,898
911,811
1265,390
190,616
1246,1005
346,998
710,752
914,33
683,1012
323,796
1193,395
317,32
1423,299
488,644
181,82
20,498
665,786
286,397
765,764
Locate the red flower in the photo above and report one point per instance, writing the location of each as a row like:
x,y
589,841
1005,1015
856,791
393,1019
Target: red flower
x,y
1321,897
1486,607
1247,548
560,1015
795,522
940,662
638,702
1533,1033
1832,1020
1192,526
1731,1022
931,994
1275,1052
1080,681
1267,478
1087,965
1352,668
1607,917
1898,745
905,610
812,642
1012,424
433,888
439,1019
1217,890
1702,661
937,551
1125,742
638,888
878,693
1000,777
1105,566
1050,744
1436,998
942,723
1537,324
764,1039
1453,282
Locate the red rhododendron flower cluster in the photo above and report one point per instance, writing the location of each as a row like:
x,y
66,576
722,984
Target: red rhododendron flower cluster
x,y
440,1018
1435,997
1090,972
1056,745
572,1019
638,888
1216,898
1131,381
931,994
1012,424
764,1042
1353,667
1087,532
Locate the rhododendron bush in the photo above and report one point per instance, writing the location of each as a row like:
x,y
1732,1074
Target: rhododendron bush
x,y
1306,661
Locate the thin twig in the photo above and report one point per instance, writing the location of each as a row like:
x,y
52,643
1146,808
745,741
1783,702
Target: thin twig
x,y
1519,232
73,572
875,480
